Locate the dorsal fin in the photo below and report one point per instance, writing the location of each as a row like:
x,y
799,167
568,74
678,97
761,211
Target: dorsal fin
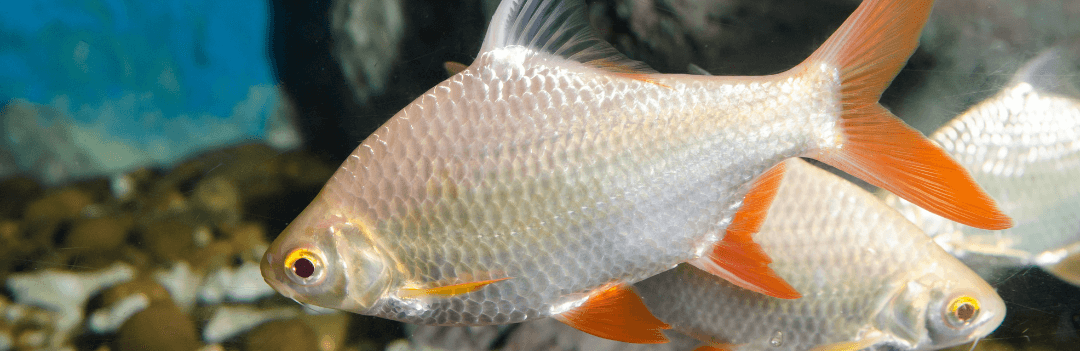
x,y
1053,71
556,27
695,69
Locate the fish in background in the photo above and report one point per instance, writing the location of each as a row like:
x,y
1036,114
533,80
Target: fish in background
x,y
869,279
553,172
1023,146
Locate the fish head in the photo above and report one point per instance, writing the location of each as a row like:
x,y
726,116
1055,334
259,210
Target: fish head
x,y
326,259
965,309
949,305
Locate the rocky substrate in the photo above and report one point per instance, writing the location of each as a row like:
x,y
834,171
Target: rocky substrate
x,y
155,260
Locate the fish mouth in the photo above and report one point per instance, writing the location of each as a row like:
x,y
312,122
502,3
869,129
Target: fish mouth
x,y
996,314
273,277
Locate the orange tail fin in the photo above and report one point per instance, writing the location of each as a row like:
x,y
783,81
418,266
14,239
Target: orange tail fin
x,y
870,48
737,258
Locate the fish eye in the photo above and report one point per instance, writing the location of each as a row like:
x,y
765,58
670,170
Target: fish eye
x,y
962,310
304,266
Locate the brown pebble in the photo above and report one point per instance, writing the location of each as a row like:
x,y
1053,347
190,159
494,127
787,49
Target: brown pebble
x,y
249,239
219,197
9,232
153,291
162,200
161,326
99,234
167,240
281,335
64,204
212,257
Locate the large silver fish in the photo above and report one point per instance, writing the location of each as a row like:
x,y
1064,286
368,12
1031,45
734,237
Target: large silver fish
x,y
1023,146
869,279
553,172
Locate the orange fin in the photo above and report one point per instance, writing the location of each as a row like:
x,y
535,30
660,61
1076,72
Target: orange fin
x,y
453,68
869,49
737,258
447,290
617,314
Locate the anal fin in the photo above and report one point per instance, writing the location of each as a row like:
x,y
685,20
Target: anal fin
x,y
737,258
446,290
716,347
616,313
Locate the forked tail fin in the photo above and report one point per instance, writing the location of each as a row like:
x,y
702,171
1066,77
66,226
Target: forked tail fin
x,y
869,49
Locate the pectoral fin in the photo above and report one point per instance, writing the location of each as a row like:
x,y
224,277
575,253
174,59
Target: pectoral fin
x,y
737,258
851,345
446,290
617,314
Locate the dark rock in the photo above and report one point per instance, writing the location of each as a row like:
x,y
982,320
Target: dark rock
x,y
18,191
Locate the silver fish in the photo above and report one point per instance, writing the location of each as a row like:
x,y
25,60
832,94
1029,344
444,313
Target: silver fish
x,y
552,173
1023,146
869,279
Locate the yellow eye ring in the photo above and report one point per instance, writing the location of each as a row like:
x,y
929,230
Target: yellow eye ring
x,y
963,309
304,265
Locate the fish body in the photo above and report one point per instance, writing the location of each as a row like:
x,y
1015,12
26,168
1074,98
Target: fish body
x,y
1023,146
552,173
543,207
869,279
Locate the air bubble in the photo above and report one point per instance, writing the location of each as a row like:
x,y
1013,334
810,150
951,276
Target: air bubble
x,y
777,339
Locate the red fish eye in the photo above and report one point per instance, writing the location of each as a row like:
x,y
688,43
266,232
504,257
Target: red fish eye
x,y
303,268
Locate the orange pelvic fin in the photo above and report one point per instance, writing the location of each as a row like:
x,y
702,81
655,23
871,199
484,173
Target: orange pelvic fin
x,y
446,290
616,313
453,68
737,258
869,49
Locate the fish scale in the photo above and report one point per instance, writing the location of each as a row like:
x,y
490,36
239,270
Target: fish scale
x,y
552,173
